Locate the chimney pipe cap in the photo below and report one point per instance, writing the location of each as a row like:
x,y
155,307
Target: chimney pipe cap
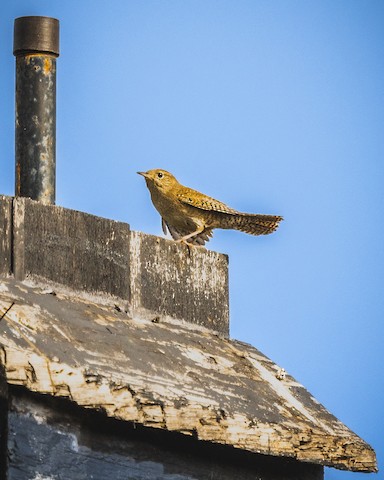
x,y
36,35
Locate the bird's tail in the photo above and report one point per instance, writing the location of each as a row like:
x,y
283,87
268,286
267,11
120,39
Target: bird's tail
x,y
255,224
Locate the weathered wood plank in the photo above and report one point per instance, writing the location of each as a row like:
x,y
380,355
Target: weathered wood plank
x,y
70,247
151,276
167,375
178,281
5,234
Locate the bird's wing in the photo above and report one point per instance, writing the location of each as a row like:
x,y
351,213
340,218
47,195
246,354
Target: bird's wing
x,y
203,202
164,226
176,234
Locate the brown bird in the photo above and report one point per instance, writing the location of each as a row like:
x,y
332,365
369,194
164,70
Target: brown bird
x,y
190,216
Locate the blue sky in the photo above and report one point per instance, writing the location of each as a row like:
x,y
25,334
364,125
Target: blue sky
x,y
270,106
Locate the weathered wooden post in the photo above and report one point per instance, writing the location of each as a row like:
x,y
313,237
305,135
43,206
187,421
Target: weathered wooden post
x,y
36,46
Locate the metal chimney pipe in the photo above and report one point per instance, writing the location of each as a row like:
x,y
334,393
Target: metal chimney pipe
x,y
36,46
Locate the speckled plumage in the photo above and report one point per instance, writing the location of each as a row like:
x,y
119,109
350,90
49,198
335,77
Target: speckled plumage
x,y
190,216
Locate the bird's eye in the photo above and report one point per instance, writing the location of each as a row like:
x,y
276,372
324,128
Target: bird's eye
x,y
160,175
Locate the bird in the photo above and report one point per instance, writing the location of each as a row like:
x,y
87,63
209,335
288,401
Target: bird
x,y
190,216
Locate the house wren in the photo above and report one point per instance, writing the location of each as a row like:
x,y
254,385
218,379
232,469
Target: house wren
x,y
190,216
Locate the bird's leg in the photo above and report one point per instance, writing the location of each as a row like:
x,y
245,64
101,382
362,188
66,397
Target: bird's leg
x,y
190,235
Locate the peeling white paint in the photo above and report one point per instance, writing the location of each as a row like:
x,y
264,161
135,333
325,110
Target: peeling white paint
x,y
38,476
282,390
205,360
208,392
74,442
135,269
59,330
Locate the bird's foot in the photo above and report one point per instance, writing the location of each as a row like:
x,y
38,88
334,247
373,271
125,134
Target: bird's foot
x,y
182,241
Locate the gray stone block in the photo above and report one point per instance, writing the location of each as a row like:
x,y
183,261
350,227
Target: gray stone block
x,y
48,440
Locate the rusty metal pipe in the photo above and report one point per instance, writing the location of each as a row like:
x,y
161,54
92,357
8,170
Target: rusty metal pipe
x,y
36,47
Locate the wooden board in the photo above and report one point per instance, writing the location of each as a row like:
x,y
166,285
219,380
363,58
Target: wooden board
x,y
166,374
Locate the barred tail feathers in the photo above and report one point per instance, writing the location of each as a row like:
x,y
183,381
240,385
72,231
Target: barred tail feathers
x,y
254,224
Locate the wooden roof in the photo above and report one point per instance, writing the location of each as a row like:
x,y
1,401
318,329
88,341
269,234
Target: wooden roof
x,y
166,374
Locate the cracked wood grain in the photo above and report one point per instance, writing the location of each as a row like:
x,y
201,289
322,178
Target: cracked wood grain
x,y
167,375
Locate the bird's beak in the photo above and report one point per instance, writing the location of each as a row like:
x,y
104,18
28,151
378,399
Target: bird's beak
x,y
144,174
